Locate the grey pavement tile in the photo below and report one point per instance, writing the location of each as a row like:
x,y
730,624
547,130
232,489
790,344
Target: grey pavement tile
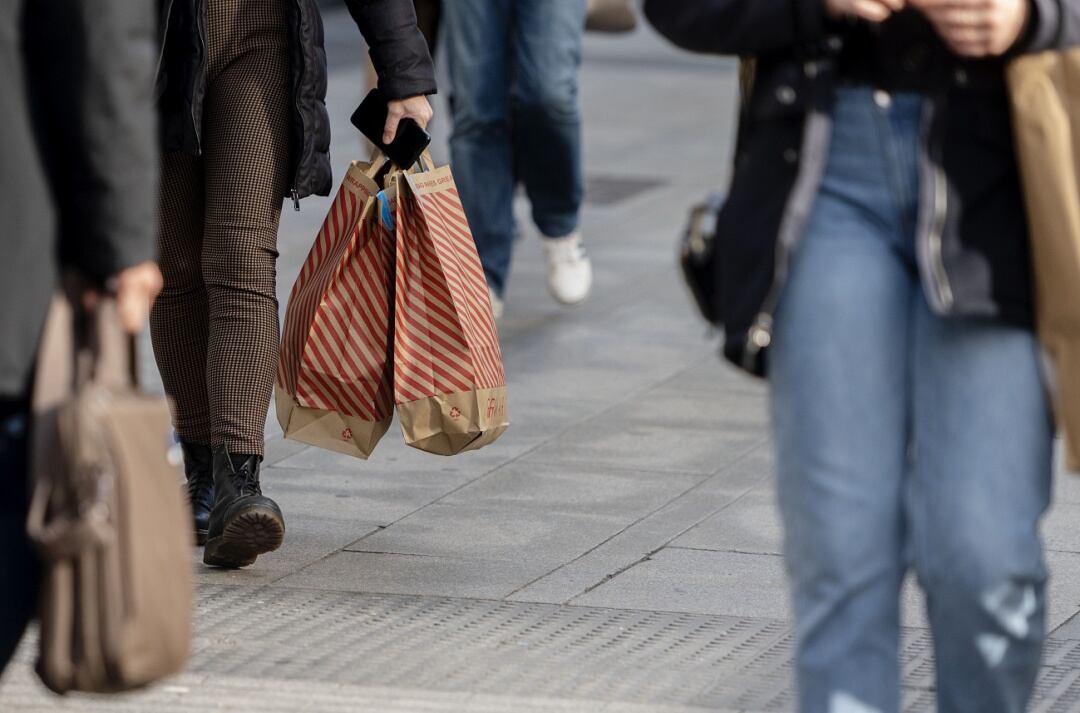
x,y
698,582
531,535
393,455
308,539
1064,590
717,583
371,572
653,532
634,362
378,496
711,373
1061,527
751,525
278,449
610,441
1066,486
574,489
712,409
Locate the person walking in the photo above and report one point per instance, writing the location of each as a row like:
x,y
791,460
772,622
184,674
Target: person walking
x,y
244,125
77,189
514,73
875,254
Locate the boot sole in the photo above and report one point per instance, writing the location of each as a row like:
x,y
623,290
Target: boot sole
x,y
246,535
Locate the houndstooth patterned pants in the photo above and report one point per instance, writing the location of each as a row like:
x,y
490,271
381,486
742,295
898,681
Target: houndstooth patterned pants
x,y
215,327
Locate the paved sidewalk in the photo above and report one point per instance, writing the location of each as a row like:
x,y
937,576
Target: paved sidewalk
x,y
616,552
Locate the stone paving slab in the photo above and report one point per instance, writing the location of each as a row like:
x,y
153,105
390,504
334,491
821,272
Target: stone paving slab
x,y
240,695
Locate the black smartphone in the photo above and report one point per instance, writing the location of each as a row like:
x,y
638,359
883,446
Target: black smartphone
x,y
410,142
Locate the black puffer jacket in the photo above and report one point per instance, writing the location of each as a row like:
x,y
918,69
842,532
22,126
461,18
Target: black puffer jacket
x,y
972,238
398,51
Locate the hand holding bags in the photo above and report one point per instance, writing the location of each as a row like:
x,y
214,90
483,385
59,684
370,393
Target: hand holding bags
x,y
1045,93
107,514
334,384
392,307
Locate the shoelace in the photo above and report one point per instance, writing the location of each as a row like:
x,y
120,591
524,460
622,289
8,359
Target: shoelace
x,y
200,487
569,254
247,481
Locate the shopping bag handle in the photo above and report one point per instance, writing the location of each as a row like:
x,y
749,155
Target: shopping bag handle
x,y
425,162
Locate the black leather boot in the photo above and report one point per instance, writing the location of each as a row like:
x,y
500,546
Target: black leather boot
x,y
199,468
244,523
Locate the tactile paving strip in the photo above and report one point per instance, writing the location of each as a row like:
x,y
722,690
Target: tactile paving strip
x,y
508,649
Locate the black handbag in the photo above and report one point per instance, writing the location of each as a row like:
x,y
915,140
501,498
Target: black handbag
x,y
698,257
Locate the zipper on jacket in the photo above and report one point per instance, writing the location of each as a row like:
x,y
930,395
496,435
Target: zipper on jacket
x,y
932,238
299,5
164,38
200,26
817,136
937,234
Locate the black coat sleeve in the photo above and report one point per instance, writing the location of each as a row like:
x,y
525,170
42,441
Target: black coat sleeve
x,y
743,27
398,49
1055,24
91,72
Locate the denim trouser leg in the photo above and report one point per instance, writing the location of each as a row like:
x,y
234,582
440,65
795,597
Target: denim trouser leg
x,y
547,117
477,33
901,434
514,69
982,481
18,561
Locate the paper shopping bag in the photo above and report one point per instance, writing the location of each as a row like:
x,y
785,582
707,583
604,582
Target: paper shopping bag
x,y
334,387
1045,93
449,385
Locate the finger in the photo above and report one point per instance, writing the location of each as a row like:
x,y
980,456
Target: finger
x,y
966,43
421,115
133,310
393,118
893,5
871,10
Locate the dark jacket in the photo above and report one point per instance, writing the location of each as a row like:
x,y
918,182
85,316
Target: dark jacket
x,y
398,51
972,234
78,178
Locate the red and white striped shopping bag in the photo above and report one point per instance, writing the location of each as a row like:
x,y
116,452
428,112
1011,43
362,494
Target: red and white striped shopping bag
x,y
334,383
449,384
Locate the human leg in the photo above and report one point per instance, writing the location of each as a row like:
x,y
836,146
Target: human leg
x,y
547,116
18,561
179,319
476,33
29,227
840,403
547,136
247,151
983,440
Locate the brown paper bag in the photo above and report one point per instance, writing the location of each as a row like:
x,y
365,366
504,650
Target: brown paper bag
x,y
449,384
1045,93
334,385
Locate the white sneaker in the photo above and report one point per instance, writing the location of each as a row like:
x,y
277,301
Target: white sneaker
x,y
497,305
569,269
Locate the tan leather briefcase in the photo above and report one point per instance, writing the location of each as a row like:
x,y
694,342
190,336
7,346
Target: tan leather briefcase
x,y
107,514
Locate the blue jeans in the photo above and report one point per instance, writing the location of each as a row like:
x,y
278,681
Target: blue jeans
x,y
904,439
514,69
18,560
